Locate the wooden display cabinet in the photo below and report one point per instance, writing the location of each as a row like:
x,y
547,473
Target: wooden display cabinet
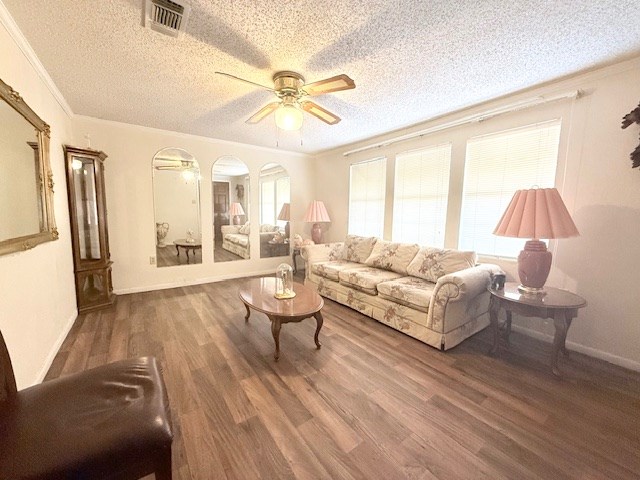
x,y
90,238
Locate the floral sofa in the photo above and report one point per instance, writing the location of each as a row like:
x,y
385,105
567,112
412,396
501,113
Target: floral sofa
x,y
235,238
437,296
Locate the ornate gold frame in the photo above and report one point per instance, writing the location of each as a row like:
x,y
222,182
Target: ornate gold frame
x,y
48,229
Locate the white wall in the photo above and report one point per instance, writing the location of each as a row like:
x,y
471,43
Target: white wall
x,y
37,293
130,150
175,201
596,181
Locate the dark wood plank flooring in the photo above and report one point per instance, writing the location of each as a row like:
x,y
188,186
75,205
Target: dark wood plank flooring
x,y
167,256
372,403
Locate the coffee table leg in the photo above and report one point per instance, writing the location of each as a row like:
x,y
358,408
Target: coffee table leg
x,y
319,321
275,331
246,317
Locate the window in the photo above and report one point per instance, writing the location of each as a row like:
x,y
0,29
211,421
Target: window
x,y
267,203
282,197
367,187
420,195
496,166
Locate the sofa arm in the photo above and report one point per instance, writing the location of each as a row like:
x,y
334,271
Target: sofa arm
x,y
323,252
230,229
460,296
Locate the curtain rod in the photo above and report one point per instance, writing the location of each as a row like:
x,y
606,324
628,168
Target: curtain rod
x,y
477,117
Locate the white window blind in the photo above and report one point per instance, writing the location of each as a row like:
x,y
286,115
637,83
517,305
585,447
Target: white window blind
x,y
367,187
496,166
267,203
420,195
283,193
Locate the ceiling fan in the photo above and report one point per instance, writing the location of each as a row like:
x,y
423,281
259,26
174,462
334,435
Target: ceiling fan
x,y
290,88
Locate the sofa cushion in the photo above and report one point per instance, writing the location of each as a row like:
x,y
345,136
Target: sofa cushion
x,y
266,228
409,291
366,278
331,270
432,263
392,256
357,249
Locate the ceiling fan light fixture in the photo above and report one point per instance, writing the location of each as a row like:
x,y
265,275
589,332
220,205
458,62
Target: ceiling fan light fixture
x,y
289,116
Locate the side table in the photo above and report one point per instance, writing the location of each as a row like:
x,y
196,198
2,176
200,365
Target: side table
x,y
560,305
295,251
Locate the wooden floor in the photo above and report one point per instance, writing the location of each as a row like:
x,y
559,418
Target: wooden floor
x,y
167,257
372,403
222,255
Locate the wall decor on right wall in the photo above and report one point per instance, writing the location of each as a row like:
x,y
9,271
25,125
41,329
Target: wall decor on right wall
x,y
633,117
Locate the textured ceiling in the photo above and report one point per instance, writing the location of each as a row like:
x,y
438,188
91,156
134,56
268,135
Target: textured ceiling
x,y
411,60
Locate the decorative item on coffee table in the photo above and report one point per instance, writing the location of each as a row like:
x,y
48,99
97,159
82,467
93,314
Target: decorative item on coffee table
x,y
284,282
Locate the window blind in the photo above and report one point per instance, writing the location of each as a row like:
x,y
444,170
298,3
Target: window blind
x,y
283,194
267,203
367,187
496,166
420,195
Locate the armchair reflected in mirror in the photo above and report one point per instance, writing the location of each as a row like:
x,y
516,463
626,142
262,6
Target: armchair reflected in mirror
x,y
27,200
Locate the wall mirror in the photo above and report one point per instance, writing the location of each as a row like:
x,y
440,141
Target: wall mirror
x,y
176,200
275,191
231,227
26,182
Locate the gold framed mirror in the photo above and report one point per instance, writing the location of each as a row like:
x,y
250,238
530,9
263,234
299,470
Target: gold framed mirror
x,y
26,182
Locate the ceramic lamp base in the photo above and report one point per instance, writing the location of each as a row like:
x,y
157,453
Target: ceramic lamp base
x,y
287,230
534,264
316,233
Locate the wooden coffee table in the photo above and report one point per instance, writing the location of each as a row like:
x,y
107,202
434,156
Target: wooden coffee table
x,y
187,245
257,294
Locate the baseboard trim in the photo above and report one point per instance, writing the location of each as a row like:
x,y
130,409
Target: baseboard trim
x,y
590,351
197,281
56,347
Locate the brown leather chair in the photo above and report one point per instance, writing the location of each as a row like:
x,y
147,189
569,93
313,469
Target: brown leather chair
x,y
110,422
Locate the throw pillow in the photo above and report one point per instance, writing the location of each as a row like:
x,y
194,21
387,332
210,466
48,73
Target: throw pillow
x,y
357,249
432,263
245,229
392,256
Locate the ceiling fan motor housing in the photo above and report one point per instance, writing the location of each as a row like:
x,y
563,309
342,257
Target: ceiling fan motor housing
x,y
288,84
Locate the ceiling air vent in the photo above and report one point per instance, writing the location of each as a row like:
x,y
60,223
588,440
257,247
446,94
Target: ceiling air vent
x,y
166,16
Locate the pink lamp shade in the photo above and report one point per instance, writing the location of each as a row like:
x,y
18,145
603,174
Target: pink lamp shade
x,y
535,213
316,213
285,215
235,209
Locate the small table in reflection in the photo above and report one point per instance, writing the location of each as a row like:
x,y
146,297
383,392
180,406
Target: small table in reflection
x,y
258,293
186,245
560,305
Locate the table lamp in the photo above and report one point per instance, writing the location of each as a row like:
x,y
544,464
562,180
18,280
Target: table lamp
x,y
535,213
235,210
316,213
285,215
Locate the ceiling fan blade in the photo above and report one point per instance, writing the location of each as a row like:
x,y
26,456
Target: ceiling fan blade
x,y
243,80
328,85
317,111
263,112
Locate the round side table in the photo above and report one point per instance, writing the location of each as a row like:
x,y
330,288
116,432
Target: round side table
x,y
560,305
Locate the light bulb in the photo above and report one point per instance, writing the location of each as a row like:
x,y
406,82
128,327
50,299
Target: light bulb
x,y
288,117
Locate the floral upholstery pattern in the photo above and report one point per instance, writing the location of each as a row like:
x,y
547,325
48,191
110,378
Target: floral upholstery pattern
x,y
357,249
366,278
331,270
392,256
245,229
432,263
409,291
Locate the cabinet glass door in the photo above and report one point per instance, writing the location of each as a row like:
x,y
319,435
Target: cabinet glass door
x,y
86,207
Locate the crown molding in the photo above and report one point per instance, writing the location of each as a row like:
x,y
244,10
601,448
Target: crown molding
x,y
16,34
